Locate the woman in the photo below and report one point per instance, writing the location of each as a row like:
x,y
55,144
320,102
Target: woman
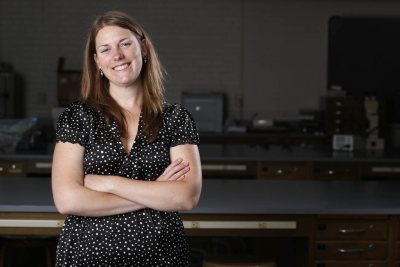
x,y
125,161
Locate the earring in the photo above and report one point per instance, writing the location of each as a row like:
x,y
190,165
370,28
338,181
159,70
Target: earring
x,y
145,59
101,72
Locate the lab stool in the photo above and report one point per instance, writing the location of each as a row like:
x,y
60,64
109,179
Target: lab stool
x,y
7,245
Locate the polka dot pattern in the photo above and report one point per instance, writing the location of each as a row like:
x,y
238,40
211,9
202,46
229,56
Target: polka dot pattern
x,y
146,237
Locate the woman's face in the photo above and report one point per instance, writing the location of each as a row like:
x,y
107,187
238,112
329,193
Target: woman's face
x,y
119,55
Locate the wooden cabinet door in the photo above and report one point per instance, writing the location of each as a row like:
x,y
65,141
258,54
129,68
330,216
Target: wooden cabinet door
x,y
351,264
355,250
352,230
335,171
12,168
351,241
283,170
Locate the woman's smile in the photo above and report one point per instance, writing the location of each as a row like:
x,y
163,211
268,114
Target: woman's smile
x,y
121,67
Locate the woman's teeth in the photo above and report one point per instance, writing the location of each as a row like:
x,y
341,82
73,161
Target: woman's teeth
x,y
121,67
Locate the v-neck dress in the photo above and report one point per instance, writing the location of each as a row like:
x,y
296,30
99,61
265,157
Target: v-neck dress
x,y
146,237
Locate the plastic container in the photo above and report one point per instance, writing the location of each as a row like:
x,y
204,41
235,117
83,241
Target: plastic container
x,y
12,131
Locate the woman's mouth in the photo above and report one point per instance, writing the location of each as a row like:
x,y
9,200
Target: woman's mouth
x,y
121,67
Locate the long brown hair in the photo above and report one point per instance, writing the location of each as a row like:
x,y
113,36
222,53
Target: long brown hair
x,y
95,87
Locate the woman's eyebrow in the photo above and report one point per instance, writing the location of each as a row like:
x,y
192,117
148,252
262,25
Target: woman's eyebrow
x,y
123,39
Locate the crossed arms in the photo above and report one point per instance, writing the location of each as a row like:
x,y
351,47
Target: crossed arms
x,y
178,188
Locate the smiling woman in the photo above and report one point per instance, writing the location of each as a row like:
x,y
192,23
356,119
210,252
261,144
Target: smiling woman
x,y
119,56
125,161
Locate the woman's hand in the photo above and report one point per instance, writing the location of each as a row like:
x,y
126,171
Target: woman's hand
x,y
175,171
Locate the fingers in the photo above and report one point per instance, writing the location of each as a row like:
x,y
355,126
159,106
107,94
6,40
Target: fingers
x,y
180,174
173,166
181,178
175,171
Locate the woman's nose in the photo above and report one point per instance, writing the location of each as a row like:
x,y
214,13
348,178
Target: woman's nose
x,y
118,54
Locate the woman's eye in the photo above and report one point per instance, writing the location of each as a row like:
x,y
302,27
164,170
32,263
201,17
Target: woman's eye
x,y
126,44
104,50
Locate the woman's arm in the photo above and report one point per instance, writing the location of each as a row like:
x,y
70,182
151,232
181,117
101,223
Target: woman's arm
x,y
69,193
182,194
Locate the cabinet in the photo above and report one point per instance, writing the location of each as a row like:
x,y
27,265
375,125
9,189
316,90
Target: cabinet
x,y
229,169
12,168
335,171
19,167
345,115
396,243
283,166
347,241
283,170
309,170
68,86
380,170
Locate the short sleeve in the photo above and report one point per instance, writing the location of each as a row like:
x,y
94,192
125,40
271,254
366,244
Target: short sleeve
x,y
73,125
183,127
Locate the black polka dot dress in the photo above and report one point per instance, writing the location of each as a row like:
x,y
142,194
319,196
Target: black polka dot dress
x,y
146,237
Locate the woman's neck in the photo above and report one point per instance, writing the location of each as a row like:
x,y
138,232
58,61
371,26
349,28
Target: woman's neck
x,y
129,98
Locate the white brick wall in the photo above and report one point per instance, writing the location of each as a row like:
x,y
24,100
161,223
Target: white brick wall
x,y
271,52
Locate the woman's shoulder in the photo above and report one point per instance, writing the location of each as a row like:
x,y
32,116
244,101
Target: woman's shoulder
x,y
78,106
177,114
79,109
74,123
180,124
170,109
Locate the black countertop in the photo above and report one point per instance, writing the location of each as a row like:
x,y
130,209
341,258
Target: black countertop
x,y
27,194
215,152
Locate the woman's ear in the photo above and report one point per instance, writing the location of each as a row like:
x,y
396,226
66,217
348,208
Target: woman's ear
x,y
143,46
95,58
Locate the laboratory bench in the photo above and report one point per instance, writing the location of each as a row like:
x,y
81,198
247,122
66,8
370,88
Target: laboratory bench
x,y
302,206
299,223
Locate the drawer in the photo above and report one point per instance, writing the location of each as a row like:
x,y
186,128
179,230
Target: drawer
x,y
39,168
335,128
348,230
346,116
397,230
398,251
283,171
341,171
343,102
351,264
380,169
12,168
343,123
362,250
233,169
397,246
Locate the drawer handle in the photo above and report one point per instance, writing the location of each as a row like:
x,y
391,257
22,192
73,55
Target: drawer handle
x,y
355,250
355,231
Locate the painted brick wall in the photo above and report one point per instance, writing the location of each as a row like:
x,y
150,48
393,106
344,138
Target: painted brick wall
x,y
269,53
